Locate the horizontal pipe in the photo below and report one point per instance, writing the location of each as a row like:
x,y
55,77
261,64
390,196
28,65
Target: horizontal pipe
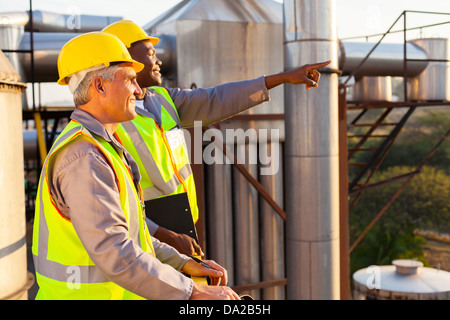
x,y
44,21
385,60
47,45
53,30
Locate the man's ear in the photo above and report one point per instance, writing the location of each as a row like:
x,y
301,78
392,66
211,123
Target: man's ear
x,y
98,86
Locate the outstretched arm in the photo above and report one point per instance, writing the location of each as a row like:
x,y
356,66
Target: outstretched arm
x,y
307,75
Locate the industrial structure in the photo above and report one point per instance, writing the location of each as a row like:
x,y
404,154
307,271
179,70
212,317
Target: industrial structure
x,y
283,235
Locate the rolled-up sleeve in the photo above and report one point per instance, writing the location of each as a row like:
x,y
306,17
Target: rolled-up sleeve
x,y
218,103
85,188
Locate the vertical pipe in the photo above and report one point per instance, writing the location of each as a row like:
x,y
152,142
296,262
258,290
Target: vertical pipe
x,y
219,218
272,225
344,242
246,220
32,57
405,82
312,154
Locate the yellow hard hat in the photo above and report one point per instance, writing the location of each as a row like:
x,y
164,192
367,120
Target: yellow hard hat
x,y
92,49
128,32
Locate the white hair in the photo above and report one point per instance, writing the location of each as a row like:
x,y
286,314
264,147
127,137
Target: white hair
x,y
81,93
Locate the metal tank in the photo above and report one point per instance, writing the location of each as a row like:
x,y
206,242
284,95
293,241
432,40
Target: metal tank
x,y
14,278
434,82
219,41
403,280
312,154
372,88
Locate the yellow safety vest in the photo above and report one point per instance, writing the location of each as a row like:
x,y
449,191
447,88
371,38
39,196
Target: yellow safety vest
x,y
63,267
161,153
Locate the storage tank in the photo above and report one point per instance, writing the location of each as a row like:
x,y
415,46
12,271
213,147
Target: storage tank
x,y
372,89
403,280
14,278
434,82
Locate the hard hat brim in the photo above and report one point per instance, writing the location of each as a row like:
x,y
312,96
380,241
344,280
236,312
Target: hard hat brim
x,y
137,66
154,41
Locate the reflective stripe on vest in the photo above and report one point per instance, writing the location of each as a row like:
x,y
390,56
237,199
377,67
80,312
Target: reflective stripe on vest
x,y
58,253
165,169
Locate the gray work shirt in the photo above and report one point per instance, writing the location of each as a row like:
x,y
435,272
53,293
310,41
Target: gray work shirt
x,y
208,105
84,188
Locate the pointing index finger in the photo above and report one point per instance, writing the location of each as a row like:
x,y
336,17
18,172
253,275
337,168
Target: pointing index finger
x,y
319,65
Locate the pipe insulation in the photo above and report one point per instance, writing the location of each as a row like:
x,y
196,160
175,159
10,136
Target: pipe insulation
x,y
312,154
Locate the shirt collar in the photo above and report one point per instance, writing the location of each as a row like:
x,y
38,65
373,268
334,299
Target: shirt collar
x,y
90,123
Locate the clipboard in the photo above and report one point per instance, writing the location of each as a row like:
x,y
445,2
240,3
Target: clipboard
x,y
173,213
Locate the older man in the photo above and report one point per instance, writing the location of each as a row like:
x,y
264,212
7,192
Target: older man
x,y
90,239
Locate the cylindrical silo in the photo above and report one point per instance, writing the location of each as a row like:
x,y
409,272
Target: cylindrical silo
x,y
312,154
434,82
14,278
372,89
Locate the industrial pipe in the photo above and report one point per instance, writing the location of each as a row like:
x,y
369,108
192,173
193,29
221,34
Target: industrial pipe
x,y
53,30
312,154
44,21
47,46
385,60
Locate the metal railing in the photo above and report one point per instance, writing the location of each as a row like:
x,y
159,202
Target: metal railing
x,y
385,146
